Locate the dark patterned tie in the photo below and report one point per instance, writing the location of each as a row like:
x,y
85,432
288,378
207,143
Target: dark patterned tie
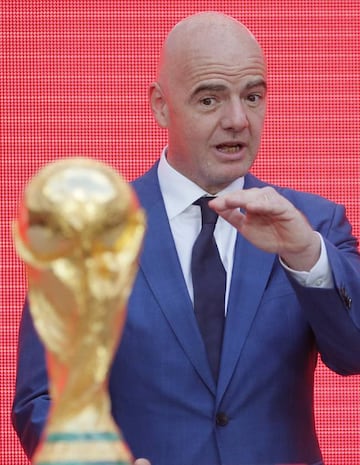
x,y
209,281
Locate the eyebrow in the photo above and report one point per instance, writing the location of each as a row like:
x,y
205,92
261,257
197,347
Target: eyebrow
x,y
220,87
256,83
208,88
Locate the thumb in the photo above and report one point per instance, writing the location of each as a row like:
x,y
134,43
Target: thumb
x,y
142,462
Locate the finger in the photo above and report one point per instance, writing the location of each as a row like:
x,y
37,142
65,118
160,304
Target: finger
x,y
142,462
230,201
232,215
244,199
256,200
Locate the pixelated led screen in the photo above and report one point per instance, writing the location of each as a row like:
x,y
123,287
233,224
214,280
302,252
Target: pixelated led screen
x,y
74,82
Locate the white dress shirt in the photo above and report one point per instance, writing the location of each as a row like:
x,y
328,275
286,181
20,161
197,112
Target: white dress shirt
x,y
179,193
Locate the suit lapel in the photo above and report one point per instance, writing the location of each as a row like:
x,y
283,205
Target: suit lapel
x,y
161,268
251,270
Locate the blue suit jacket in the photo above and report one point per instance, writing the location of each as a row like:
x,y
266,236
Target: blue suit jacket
x,y
163,395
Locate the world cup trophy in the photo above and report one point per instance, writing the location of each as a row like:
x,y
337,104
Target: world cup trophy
x,y
79,233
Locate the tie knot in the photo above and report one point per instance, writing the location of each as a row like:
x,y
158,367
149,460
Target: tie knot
x,y
208,215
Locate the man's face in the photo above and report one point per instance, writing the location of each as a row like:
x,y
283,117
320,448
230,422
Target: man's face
x,y
214,111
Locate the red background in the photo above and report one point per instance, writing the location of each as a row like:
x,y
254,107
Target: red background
x,y
74,82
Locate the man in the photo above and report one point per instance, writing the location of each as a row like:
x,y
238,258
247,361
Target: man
x,y
292,279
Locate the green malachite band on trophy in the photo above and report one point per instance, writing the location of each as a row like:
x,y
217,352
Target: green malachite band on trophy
x,y
72,462
88,436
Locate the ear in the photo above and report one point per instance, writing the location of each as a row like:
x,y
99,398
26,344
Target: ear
x,y
158,104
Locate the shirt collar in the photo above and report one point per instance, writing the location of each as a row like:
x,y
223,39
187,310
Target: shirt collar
x,y
179,192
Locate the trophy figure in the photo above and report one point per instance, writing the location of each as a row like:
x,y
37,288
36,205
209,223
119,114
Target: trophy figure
x,y
79,232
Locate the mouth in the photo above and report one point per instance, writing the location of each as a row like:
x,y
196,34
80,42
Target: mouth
x,y
230,148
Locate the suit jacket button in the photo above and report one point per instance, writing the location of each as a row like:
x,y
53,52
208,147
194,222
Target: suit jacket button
x,y
346,299
222,419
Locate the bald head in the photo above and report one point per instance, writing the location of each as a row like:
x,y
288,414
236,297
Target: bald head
x,y
200,35
210,96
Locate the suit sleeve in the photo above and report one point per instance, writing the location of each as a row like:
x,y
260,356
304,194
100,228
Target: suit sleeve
x,y
31,401
334,314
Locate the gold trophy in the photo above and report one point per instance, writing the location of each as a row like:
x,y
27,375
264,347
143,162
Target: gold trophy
x,y
79,232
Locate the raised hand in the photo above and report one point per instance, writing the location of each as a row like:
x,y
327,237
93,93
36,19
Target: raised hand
x,y
271,223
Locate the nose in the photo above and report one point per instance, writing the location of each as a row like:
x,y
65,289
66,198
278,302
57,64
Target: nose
x,y
234,117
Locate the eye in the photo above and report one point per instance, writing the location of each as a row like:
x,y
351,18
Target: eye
x,y
254,99
207,101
